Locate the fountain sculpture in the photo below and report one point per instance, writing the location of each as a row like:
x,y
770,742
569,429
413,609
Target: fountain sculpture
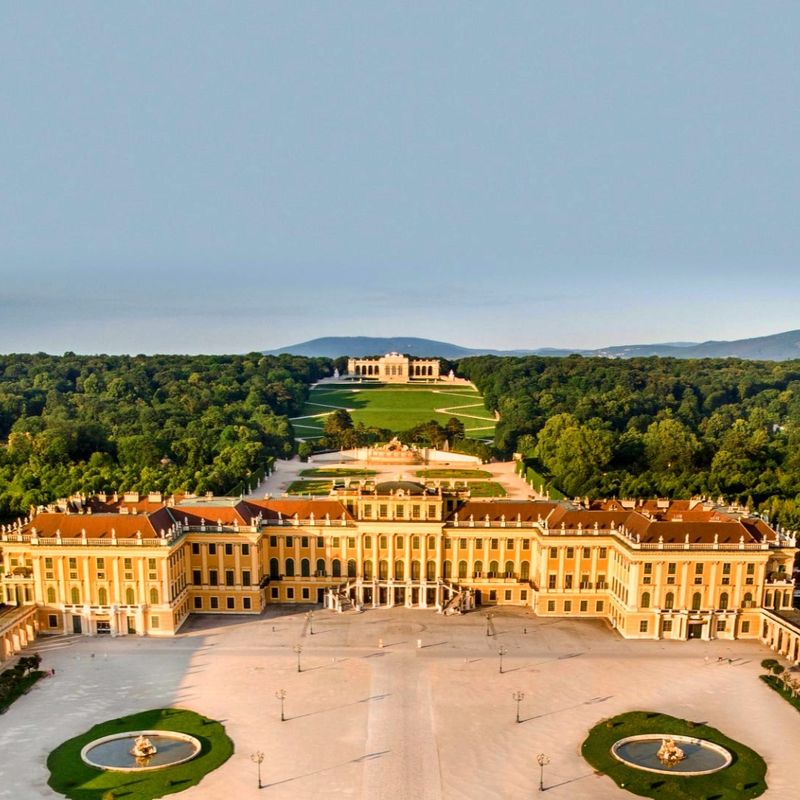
x,y
669,754
143,748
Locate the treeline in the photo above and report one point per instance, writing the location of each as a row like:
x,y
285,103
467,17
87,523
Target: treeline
x,y
148,423
341,433
652,426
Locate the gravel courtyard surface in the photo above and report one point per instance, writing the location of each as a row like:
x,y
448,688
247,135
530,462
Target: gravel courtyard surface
x,y
401,721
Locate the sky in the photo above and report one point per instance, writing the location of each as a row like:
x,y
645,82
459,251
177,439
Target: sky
x,y
226,177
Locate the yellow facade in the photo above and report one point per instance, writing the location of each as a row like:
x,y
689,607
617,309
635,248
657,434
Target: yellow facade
x,y
650,572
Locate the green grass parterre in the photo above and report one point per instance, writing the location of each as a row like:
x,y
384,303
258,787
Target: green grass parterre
x,y
397,409
744,778
71,777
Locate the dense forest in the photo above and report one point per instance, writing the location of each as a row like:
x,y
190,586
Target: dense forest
x,y
602,427
148,423
652,426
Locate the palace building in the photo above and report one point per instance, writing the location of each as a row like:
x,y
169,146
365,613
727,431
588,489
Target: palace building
x,y
394,368
655,569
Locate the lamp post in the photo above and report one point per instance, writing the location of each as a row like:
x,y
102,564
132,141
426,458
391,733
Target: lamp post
x,y
488,622
298,648
310,618
519,697
542,760
281,695
257,758
501,652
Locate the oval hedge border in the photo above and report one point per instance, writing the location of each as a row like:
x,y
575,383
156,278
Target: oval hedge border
x,y
78,781
744,778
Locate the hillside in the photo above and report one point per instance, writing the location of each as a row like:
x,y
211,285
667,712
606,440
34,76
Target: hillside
x,y
776,347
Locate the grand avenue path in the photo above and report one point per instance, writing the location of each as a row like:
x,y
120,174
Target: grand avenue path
x,y
432,723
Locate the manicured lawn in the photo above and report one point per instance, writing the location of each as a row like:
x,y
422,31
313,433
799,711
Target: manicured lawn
x,y
485,489
399,409
337,472
310,487
71,777
744,778
434,474
775,684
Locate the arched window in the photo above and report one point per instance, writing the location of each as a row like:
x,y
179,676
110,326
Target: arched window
x,y
697,601
321,567
274,568
289,571
154,597
462,569
102,596
368,570
747,601
669,601
305,568
51,595
130,597
415,570
75,595
493,568
478,567
383,571
336,568
524,570
645,600
509,568
351,568
430,571
399,570
448,569
723,601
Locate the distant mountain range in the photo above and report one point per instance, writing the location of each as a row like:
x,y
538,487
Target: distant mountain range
x,y
777,347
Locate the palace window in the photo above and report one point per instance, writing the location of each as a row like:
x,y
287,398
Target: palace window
x,y
289,541
721,625
551,605
273,541
305,593
645,600
494,544
415,512
383,542
723,601
551,581
697,601
383,510
288,571
669,601
509,544
667,626
229,577
367,509
526,544
228,549
570,552
568,581
508,594
431,542
197,577
603,552
336,568
195,548
553,552
479,544
398,512
51,595
415,543
598,606
212,549
245,549
643,626
586,552
567,606
230,602
214,602
304,541
746,626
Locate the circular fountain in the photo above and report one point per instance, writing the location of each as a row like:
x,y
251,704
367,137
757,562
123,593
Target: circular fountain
x,y
671,755
137,751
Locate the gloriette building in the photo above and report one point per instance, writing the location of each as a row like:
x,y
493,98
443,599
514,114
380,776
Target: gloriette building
x,y
139,565
394,368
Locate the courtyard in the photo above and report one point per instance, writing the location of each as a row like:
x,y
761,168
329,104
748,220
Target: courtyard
x,y
402,720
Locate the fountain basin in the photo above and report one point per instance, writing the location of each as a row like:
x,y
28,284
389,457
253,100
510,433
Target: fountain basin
x,y
702,757
114,752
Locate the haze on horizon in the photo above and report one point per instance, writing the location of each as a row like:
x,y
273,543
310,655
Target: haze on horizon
x,y
200,177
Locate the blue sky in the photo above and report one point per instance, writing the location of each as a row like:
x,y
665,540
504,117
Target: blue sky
x,y
216,177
